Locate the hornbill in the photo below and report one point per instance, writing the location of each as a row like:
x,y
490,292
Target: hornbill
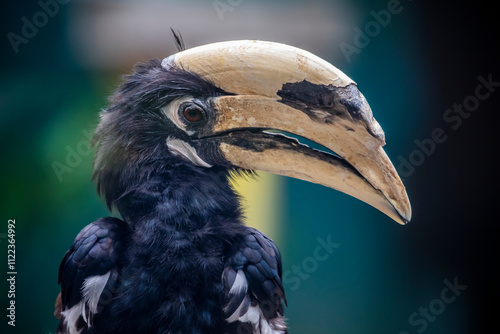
x,y
180,259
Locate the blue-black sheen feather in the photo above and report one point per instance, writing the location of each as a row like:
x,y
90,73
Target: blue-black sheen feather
x,y
259,259
95,251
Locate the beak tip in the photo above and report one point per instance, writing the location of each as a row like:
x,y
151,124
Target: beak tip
x,y
405,216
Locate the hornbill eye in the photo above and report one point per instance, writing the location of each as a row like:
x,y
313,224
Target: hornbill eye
x,y
192,113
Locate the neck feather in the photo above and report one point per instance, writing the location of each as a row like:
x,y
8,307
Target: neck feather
x,y
185,196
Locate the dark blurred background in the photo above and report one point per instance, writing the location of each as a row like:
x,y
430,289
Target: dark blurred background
x,y
416,67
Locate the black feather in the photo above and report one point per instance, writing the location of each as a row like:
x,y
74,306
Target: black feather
x,y
95,251
259,258
179,42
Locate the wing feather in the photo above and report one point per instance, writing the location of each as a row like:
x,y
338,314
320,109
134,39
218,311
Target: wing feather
x,y
89,266
253,289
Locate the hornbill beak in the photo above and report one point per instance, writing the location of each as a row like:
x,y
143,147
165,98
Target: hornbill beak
x,y
272,86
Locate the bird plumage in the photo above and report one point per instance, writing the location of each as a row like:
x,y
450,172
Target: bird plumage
x,y
175,265
173,257
180,258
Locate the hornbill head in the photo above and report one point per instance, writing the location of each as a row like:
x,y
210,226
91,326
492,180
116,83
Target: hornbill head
x,y
229,105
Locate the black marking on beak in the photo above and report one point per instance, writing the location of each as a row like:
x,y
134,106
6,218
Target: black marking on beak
x,y
323,103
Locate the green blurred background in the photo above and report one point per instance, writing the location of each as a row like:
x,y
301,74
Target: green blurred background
x,y
427,58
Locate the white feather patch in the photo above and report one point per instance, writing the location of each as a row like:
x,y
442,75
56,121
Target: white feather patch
x,y
92,290
259,323
72,315
254,314
236,314
240,283
185,150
